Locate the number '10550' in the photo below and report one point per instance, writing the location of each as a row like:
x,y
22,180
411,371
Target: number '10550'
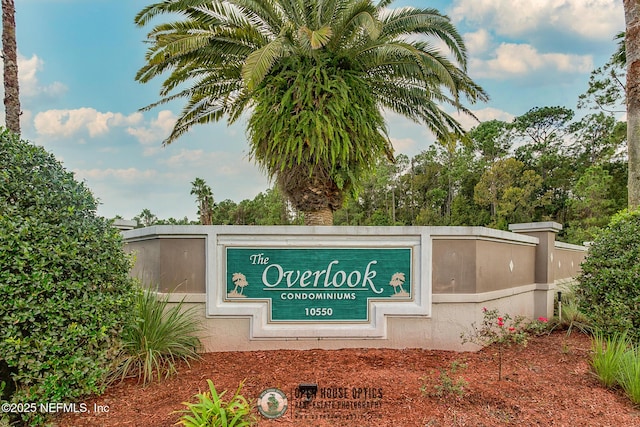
x,y
324,311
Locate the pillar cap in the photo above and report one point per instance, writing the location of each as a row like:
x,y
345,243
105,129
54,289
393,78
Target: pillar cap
x,y
536,227
123,224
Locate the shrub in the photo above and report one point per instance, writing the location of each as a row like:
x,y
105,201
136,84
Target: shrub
x,y
157,338
65,291
212,410
609,288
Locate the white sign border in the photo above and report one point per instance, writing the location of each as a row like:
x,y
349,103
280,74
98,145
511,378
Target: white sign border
x,y
219,237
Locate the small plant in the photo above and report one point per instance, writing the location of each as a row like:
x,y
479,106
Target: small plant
x,y
538,327
448,386
608,352
498,329
628,375
570,315
158,337
212,411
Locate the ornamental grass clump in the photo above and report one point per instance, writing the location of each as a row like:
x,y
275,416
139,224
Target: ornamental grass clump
x,y
572,317
608,352
616,363
503,331
157,339
628,375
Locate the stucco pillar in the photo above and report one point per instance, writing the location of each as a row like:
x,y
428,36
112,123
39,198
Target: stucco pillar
x,y
545,268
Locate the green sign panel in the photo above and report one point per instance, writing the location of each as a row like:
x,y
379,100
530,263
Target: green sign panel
x,y
318,285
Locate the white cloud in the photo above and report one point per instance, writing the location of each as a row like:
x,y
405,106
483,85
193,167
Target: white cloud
x,y
130,175
152,135
66,123
29,84
516,60
223,163
483,115
590,19
403,145
477,42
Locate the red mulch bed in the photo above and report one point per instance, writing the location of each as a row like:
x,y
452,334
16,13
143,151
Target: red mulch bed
x,y
547,383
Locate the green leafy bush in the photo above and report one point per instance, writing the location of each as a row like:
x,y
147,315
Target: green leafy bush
x,y
609,288
65,291
157,338
211,410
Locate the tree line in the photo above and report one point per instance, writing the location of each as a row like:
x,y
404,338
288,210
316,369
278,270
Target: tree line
x,y
542,166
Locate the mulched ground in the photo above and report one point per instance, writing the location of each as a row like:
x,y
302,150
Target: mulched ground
x,y
547,383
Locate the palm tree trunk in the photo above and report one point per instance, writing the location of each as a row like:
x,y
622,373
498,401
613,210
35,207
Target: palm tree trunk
x,y
321,217
10,56
632,42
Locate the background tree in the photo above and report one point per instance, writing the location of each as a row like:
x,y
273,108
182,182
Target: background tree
x,y
316,75
204,197
541,135
592,205
10,59
512,191
146,218
598,139
607,84
490,140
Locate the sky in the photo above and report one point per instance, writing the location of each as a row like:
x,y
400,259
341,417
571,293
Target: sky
x,y
80,101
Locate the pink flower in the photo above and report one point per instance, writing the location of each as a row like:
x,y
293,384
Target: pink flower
x,y
512,329
542,319
484,309
500,322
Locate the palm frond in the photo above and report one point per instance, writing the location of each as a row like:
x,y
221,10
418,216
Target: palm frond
x,y
259,62
165,7
315,39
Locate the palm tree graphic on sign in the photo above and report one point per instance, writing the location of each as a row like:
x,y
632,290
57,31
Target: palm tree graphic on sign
x,y
397,280
240,281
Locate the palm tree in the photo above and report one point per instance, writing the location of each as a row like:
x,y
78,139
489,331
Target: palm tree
x,y
314,77
204,196
397,280
632,58
240,281
10,59
146,218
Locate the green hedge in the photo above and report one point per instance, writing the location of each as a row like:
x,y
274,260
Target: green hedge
x,y
609,288
65,292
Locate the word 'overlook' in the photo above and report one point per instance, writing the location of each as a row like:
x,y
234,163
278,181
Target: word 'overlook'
x,y
275,275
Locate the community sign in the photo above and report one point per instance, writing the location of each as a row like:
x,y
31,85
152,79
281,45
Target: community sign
x,y
318,284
